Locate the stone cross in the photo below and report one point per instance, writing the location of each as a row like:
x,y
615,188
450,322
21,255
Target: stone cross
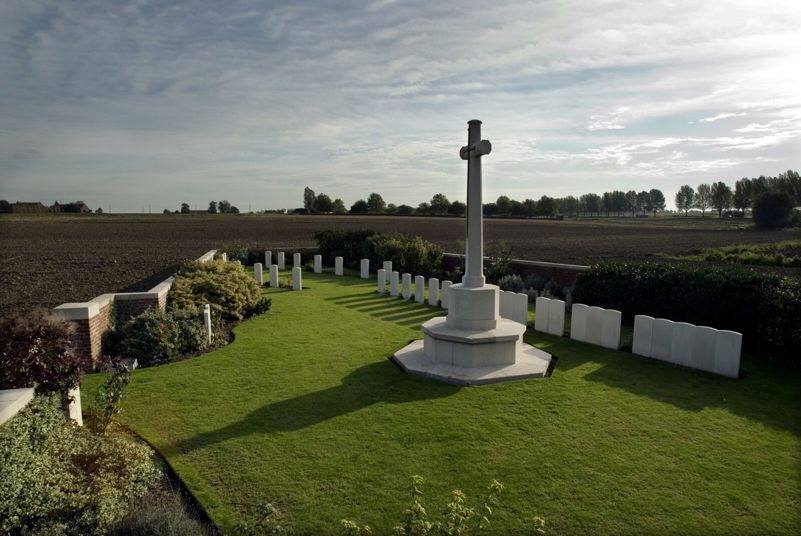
x,y
474,243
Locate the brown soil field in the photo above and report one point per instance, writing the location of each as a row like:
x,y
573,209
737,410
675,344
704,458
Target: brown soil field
x,y
46,260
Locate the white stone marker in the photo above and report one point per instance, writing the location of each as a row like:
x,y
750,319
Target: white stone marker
x,y
365,269
727,353
338,266
595,325
258,274
281,260
682,343
662,339
296,260
445,285
75,412
541,314
702,353
433,291
556,317
297,281
643,332
207,321
610,329
419,289
268,258
406,293
274,275
578,322
318,264
381,281
388,267
393,283
224,257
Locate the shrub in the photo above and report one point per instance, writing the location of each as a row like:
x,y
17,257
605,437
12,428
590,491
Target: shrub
x,y
161,513
192,334
37,350
351,245
499,263
60,479
413,255
232,293
772,209
152,337
535,281
512,283
764,307
109,396
237,252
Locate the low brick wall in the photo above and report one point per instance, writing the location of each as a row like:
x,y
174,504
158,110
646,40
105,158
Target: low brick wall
x,y
92,319
564,274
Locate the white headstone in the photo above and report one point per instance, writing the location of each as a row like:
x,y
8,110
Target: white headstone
x,y
365,268
682,343
297,281
224,257
268,258
381,281
338,266
445,286
258,274
578,322
662,339
643,331
727,353
296,260
419,289
274,275
433,291
318,264
702,353
541,313
207,321
595,325
388,267
406,293
393,283
556,317
281,260
610,329
75,411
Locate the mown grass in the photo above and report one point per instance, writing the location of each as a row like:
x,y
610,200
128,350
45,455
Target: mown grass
x,y
786,253
304,410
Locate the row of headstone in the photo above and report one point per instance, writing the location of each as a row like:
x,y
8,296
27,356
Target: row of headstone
x,y
549,316
401,284
514,306
689,345
595,325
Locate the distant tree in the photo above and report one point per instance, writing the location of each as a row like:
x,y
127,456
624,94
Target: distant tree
x,y
375,203
684,198
423,209
359,207
323,203
518,209
657,200
212,207
721,196
224,206
569,205
703,198
439,204
404,210
644,201
772,209
391,209
529,207
233,210
99,210
185,208
490,209
504,205
546,206
308,199
742,195
5,207
631,201
590,203
457,208
166,211
606,202
338,207
619,203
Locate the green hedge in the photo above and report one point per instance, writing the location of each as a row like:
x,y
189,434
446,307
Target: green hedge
x,y
350,245
765,308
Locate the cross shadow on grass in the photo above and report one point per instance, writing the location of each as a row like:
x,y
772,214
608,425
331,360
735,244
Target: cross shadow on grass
x,y
767,393
389,309
375,383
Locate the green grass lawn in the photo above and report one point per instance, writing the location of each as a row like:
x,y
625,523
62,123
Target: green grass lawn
x,y
304,410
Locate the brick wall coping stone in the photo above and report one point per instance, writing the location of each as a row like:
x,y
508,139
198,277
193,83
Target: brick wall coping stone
x,y
13,400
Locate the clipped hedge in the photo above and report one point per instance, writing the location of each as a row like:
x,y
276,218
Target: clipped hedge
x,y
413,255
350,245
764,307
59,479
231,291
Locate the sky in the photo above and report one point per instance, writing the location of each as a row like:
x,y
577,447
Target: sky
x,y
130,105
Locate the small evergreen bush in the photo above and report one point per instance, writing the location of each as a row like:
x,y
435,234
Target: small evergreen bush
x,y
152,337
512,283
232,292
192,334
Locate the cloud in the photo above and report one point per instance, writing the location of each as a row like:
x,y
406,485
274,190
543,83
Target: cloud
x,y
718,117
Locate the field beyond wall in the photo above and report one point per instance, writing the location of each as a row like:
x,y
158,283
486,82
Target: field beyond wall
x,y
46,260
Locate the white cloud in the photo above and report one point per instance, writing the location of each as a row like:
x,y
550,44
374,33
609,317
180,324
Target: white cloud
x,y
718,117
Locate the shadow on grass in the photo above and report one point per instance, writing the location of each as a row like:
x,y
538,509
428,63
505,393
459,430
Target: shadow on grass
x,y
768,393
378,382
